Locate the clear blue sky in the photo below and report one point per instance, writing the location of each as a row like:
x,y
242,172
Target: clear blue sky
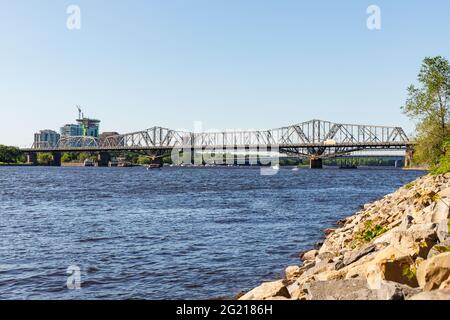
x,y
228,63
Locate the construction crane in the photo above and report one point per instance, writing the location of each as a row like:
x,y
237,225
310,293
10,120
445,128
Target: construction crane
x,y
80,113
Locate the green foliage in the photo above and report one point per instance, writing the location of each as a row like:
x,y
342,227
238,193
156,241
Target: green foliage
x,y
66,157
442,249
409,271
370,232
435,198
167,159
409,186
44,158
443,166
143,160
448,226
83,156
10,155
429,104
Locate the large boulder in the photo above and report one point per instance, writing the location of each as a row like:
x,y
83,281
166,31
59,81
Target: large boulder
x,y
391,264
309,255
353,256
432,272
440,211
443,230
267,290
389,290
352,289
293,272
296,291
417,240
442,294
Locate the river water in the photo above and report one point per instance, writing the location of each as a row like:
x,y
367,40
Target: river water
x,y
175,233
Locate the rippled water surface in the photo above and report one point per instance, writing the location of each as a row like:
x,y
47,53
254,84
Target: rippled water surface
x,y
175,233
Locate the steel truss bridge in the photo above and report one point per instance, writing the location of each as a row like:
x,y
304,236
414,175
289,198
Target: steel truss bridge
x,y
315,139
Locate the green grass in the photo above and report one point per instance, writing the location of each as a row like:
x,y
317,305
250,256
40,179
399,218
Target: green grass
x,y
442,167
409,185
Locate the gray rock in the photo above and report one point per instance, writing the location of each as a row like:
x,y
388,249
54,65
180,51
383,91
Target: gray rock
x,y
355,256
339,265
351,289
390,290
439,248
326,257
406,223
309,255
442,231
419,237
442,294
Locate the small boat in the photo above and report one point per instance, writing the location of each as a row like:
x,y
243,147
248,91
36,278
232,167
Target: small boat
x,y
154,166
295,169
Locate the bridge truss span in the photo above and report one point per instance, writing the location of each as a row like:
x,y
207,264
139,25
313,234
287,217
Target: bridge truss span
x,y
315,138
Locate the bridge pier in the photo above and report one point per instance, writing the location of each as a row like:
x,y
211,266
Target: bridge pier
x,y
315,163
56,162
32,159
409,156
103,159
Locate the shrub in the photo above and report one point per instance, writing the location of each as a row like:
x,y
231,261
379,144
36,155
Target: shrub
x,y
370,232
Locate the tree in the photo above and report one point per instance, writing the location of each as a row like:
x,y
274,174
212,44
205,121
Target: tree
x,y
10,154
66,157
142,160
429,104
83,156
45,158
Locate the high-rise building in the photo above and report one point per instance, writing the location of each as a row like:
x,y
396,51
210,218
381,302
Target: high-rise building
x,y
46,138
89,127
71,130
85,127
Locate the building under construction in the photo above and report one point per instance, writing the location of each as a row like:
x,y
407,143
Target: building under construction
x,y
84,126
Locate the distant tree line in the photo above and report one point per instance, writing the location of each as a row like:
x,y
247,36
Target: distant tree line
x,y
11,155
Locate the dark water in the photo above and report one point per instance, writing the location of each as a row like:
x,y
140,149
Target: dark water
x,y
167,234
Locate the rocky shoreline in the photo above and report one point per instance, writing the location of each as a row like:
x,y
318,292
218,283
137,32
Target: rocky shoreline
x,y
396,248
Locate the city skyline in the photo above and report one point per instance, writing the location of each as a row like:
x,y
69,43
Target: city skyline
x,y
231,65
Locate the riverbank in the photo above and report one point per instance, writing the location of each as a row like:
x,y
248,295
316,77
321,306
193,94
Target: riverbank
x,y
395,248
15,165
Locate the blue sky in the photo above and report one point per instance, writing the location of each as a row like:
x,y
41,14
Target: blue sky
x,y
228,63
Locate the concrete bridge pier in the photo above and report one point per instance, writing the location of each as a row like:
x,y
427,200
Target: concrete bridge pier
x,y
32,159
315,163
103,159
247,156
409,156
56,162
